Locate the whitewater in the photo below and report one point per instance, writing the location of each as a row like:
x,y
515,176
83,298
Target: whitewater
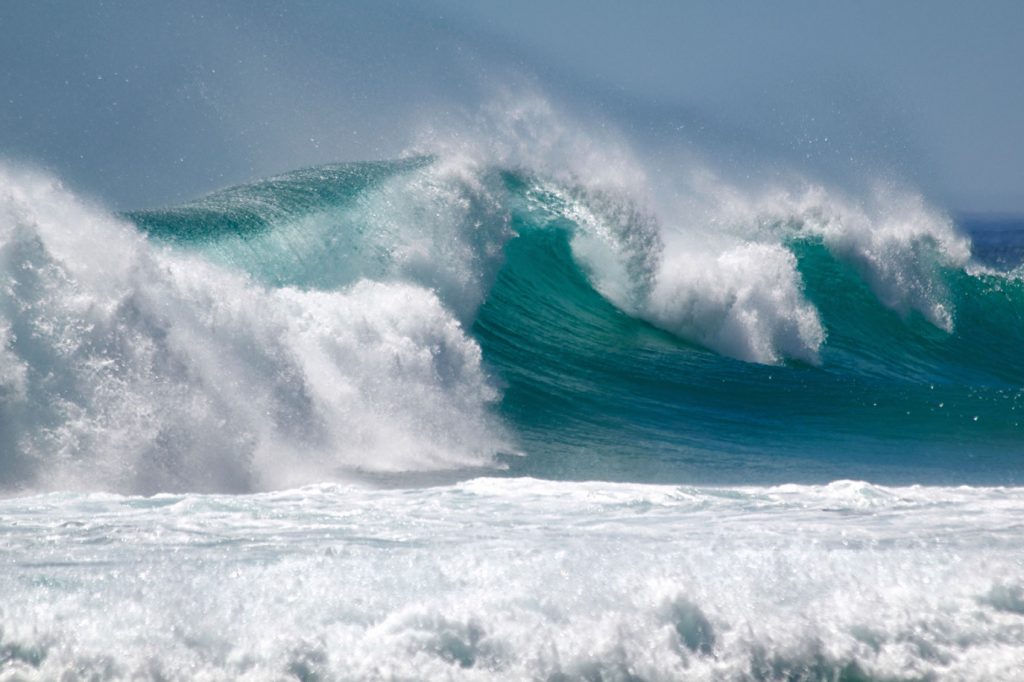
x,y
516,579
522,403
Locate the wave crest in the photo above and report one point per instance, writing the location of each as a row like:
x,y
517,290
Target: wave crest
x,y
145,369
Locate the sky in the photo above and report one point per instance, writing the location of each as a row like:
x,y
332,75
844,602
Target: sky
x,y
146,103
940,82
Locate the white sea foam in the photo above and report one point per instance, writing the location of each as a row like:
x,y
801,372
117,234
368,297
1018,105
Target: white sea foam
x,y
129,367
727,277
746,301
892,236
517,579
696,255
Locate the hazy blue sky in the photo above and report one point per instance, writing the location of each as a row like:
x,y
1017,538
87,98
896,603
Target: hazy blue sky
x,y
939,82
145,103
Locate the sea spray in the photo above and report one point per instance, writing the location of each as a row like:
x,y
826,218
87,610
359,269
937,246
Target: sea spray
x,y
128,365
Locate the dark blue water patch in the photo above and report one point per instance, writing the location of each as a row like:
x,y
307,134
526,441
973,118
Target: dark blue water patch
x,y
997,240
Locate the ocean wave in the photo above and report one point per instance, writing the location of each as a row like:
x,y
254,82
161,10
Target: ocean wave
x,y
130,366
525,286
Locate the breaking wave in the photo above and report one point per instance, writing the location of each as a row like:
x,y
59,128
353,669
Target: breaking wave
x,y
524,288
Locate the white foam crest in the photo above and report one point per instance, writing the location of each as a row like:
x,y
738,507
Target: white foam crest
x,y
898,243
728,279
741,300
696,255
586,173
718,269
745,301
128,367
978,270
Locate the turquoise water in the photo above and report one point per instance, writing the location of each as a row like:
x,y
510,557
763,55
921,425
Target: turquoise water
x,y
591,390
468,418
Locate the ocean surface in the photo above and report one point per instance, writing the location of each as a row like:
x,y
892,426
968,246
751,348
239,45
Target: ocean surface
x,y
525,408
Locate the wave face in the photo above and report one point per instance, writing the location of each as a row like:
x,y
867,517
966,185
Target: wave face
x,y
798,333
539,293
436,313
516,579
844,370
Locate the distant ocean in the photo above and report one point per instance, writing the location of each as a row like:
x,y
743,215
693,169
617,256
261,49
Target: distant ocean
x,y
520,409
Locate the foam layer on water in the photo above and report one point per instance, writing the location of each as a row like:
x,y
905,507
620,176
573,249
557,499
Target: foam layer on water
x,y
517,579
130,367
